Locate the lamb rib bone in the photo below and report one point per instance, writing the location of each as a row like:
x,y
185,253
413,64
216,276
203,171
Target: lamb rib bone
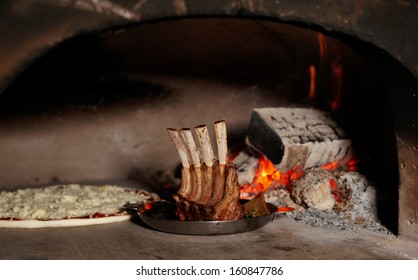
x,y
208,159
205,145
185,189
220,130
209,189
194,154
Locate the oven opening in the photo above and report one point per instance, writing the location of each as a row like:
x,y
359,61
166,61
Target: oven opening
x,y
96,107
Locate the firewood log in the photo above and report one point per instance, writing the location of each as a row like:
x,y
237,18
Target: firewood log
x,y
297,137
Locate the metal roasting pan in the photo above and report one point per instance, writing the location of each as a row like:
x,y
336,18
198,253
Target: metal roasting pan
x,y
161,216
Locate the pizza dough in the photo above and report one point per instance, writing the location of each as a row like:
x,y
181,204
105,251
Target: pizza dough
x,y
68,205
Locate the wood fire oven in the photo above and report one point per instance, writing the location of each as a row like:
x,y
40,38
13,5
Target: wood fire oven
x,y
88,89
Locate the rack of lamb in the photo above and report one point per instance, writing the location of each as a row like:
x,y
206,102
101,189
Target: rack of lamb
x,y
209,188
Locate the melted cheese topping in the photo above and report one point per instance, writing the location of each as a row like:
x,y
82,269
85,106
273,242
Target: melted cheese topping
x,y
68,201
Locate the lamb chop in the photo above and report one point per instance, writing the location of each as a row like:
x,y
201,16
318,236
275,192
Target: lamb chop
x,y
209,188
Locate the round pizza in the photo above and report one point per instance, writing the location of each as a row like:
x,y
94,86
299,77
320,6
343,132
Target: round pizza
x,y
68,205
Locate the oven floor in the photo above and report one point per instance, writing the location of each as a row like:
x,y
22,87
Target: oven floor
x,y
280,239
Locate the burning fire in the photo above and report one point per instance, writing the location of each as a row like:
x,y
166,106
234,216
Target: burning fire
x,y
329,62
312,87
266,173
268,177
322,46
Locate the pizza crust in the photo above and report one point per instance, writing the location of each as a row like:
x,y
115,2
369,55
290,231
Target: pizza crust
x,y
63,223
68,205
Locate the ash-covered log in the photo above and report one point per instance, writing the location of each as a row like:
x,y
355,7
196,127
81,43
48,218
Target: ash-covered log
x,y
297,137
313,190
209,189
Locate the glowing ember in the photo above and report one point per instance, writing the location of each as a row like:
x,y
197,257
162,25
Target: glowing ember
x,y
331,166
334,187
284,209
352,164
333,184
148,206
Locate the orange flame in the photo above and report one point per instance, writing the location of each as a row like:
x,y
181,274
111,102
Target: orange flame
x,y
322,46
312,86
267,176
336,68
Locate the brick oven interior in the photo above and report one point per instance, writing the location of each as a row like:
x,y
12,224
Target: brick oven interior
x,y
94,109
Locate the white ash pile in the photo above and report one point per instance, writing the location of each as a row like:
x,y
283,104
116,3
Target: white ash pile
x,y
360,214
338,199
